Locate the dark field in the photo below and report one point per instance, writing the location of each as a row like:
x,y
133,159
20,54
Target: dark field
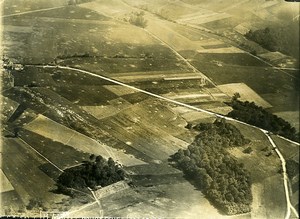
x,y
16,6
241,59
23,172
71,12
166,86
277,88
85,95
54,150
119,65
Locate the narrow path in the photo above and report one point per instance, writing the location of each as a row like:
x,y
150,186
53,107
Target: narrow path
x,y
33,11
98,202
285,178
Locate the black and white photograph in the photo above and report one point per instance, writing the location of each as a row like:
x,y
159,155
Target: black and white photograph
x,y
149,109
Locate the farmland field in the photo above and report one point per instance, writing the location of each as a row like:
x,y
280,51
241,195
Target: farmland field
x,y
258,163
190,51
48,128
54,150
233,58
16,6
145,129
288,149
278,89
23,172
8,107
264,171
5,184
246,93
292,117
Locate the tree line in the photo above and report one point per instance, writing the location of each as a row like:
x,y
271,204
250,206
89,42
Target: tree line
x,y
206,162
252,114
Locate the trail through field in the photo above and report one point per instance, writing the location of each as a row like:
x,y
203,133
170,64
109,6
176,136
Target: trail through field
x,y
285,179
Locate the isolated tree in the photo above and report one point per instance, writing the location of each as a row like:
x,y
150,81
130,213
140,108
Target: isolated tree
x,y
92,156
236,96
137,19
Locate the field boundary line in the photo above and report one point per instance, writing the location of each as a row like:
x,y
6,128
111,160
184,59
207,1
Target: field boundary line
x,y
33,11
41,155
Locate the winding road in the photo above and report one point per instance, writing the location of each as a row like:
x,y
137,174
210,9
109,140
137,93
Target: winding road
x,y
289,206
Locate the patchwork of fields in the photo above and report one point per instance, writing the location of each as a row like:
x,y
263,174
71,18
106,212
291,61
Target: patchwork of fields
x,y
55,119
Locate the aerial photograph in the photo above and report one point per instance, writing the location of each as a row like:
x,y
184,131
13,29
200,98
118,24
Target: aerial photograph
x,y
149,109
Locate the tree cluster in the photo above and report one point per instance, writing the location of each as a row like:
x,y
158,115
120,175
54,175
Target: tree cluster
x,y
220,177
224,133
292,168
264,37
96,172
250,113
137,19
283,39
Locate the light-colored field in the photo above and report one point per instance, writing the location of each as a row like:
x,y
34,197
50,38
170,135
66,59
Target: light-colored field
x,y
210,42
267,203
264,173
50,129
130,77
188,96
181,109
148,127
241,29
174,200
290,116
165,31
111,189
5,184
193,116
223,110
85,211
265,15
110,8
103,111
272,56
119,90
7,107
257,208
129,34
274,202
221,50
204,18
246,93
